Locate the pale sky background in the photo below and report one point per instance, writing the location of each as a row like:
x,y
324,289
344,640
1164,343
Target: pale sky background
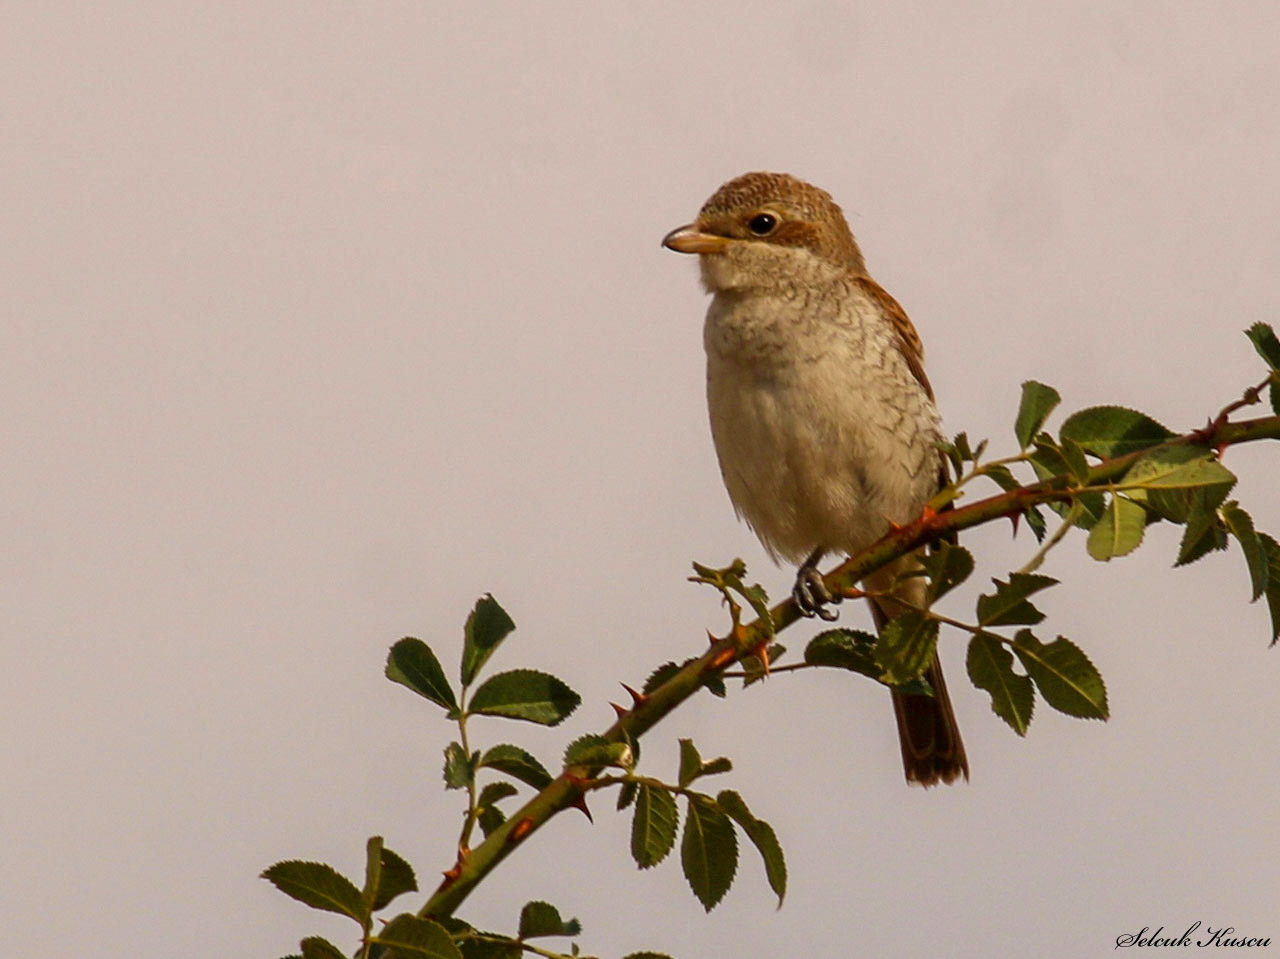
x,y
323,318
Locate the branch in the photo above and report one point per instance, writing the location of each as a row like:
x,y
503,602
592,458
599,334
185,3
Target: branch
x,y
569,788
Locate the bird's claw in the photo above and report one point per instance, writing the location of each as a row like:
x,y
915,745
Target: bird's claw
x,y
812,597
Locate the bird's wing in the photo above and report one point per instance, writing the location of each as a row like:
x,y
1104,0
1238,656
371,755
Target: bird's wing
x,y
906,338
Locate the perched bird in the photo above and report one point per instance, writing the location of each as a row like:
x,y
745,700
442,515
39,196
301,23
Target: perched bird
x,y
823,419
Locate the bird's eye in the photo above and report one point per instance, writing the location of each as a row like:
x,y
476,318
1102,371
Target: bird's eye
x,y
762,224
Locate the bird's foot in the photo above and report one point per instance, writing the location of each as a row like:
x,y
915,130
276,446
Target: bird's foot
x,y
812,597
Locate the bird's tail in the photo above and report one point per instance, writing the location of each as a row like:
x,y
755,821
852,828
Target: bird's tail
x,y
932,751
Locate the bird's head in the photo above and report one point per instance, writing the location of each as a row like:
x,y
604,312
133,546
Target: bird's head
x,y
766,231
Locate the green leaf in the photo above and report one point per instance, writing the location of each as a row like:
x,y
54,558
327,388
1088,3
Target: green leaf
x,y
487,626
411,663
490,818
692,766
1273,583
372,868
1000,475
753,667
1120,530
495,792
411,936
1265,342
947,568
1178,467
517,763
708,851
319,886
906,647
690,762
762,836
1075,459
1205,530
844,648
1008,605
1038,401
1066,678
457,769
525,694
1177,504
543,919
990,667
1108,431
1240,525
713,682
653,828
593,750
395,878
626,795
315,947
1035,522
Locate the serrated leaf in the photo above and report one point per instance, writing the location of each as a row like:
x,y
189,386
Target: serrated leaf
x,y
1035,522
487,625
517,763
947,567
499,947
713,767
495,792
906,645
1179,467
525,694
1240,525
626,795
1076,462
990,667
690,762
849,649
1272,549
1264,341
1119,531
315,947
1108,431
457,769
1066,678
543,919
411,936
1205,531
708,851
593,750
762,837
1008,605
1038,401
1001,476
412,664
653,827
1177,505
713,682
1048,459
319,886
395,878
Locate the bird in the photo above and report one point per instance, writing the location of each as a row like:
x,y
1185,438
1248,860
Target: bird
x,y
823,419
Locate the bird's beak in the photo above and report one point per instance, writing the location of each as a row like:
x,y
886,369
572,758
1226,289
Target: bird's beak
x,y
689,239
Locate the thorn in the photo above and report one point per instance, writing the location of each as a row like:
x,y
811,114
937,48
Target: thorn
x,y
893,527
1014,518
619,710
581,803
637,699
712,638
